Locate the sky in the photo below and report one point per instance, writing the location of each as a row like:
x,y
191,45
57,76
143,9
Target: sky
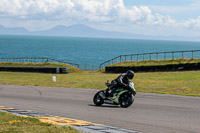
x,y
146,17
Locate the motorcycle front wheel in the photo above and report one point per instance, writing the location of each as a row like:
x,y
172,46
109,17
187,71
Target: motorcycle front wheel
x,y
98,100
126,100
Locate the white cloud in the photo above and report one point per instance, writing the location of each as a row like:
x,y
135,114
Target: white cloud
x,y
90,10
35,13
192,23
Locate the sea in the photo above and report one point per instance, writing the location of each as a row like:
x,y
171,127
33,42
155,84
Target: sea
x,y
85,51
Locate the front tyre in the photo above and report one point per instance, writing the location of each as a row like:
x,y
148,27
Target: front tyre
x,y
126,99
98,100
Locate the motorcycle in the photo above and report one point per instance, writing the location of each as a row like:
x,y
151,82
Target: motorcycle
x,y
120,96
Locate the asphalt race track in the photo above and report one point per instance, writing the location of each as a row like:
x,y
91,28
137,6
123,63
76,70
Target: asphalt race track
x,y
151,113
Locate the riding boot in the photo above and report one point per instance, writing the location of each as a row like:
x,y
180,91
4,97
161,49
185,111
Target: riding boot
x,y
107,92
111,94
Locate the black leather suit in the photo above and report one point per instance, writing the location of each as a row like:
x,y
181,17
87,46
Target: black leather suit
x,y
120,82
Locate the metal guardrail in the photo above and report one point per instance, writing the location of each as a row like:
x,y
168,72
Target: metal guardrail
x,y
55,70
152,56
35,60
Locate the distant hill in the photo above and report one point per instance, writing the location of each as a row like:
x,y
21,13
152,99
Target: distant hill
x,y
13,31
80,30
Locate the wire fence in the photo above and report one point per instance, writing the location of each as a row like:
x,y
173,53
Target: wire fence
x,y
152,56
119,59
48,60
35,60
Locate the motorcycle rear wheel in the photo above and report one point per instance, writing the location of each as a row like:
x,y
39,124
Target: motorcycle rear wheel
x,y
126,100
98,100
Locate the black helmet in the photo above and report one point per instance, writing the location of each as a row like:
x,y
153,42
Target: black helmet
x,y
130,74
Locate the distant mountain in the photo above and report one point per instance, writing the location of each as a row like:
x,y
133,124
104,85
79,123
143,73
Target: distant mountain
x,y
80,30
13,31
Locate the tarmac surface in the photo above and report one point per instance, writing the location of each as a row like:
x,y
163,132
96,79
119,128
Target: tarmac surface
x,y
150,113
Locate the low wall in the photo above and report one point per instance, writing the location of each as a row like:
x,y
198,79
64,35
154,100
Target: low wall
x,y
36,69
165,68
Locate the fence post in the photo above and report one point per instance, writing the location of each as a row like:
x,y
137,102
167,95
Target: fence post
x,y
192,54
157,55
164,55
137,57
120,58
182,55
172,55
150,56
143,57
131,57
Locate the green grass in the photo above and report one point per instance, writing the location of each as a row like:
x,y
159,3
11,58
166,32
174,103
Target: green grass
x,y
16,124
179,83
155,62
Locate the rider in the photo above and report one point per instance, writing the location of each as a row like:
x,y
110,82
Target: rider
x,y
122,81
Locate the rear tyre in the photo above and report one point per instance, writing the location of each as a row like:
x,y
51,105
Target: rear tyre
x,y
126,100
98,100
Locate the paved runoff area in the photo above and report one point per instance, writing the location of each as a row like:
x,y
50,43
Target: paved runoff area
x,y
83,126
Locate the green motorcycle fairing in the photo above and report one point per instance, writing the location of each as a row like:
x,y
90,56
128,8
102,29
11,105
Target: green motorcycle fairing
x,y
117,94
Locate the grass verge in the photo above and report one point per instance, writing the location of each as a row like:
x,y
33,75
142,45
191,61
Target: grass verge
x,y
71,68
16,124
178,83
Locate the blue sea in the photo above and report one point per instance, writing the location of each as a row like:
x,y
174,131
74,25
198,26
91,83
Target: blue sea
x,y
84,50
